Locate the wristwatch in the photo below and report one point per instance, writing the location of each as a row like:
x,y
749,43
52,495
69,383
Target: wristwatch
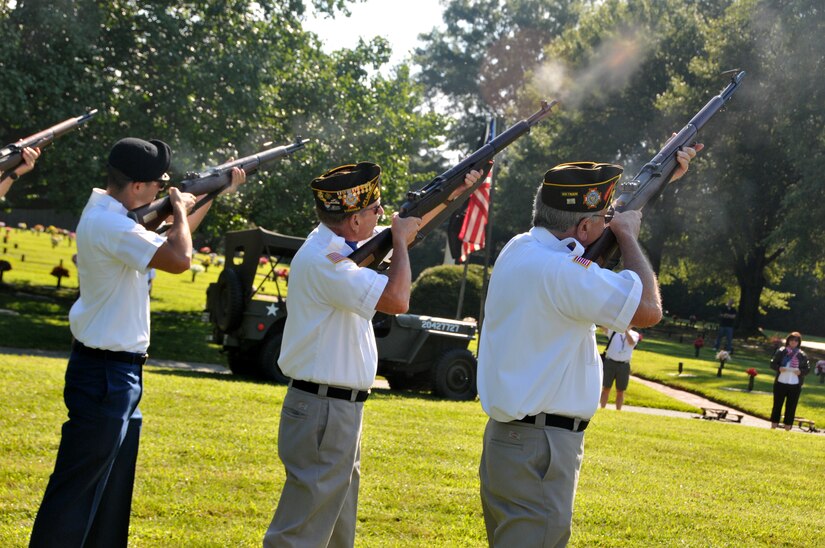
x,y
13,175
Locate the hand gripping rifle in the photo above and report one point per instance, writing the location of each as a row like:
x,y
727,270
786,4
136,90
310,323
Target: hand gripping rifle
x,y
655,175
11,155
437,192
211,182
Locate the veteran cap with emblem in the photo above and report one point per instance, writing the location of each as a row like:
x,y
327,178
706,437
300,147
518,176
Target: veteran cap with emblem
x,y
348,188
580,186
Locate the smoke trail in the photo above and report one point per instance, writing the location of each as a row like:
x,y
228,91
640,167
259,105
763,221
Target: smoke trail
x,y
608,70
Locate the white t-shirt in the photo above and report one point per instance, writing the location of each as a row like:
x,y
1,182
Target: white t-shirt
x,y
328,337
621,349
538,350
113,254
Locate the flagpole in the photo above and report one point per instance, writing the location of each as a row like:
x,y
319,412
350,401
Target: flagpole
x,y
461,290
488,243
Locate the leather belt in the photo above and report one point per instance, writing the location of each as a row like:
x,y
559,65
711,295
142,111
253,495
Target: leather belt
x,y
568,423
328,391
109,355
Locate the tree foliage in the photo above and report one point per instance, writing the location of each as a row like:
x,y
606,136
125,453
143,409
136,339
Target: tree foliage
x,y
630,72
215,79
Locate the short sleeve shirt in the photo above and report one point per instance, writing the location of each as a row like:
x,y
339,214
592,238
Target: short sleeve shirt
x,y
537,352
113,255
621,349
328,337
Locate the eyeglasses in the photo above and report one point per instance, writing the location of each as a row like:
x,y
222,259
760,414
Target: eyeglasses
x,y
375,209
606,216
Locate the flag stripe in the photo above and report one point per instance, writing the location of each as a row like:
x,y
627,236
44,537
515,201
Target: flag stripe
x,y
473,231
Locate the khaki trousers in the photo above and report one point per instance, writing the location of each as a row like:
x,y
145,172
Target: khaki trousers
x,y
319,442
528,481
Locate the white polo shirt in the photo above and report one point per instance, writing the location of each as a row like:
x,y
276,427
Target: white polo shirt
x,y
113,254
328,337
537,352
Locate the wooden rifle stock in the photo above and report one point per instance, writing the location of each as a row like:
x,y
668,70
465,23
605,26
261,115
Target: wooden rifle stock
x,y
210,182
437,192
11,155
655,175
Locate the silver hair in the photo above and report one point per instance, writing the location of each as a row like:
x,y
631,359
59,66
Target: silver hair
x,y
332,219
557,220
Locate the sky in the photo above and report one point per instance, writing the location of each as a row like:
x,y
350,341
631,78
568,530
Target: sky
x,y
399,21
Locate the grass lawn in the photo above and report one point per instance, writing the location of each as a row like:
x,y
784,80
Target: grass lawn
x,y
658,359
208,472
178,301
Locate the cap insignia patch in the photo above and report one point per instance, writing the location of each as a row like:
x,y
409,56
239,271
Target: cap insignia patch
x,y
592,198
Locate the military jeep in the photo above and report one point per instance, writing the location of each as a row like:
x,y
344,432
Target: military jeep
x,y
247,310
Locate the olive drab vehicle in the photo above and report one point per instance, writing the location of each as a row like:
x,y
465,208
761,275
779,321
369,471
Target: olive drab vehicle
x,y
247,310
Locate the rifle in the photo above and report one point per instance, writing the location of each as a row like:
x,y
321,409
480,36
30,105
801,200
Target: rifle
x,y
11,155
373,252
655,175
211,182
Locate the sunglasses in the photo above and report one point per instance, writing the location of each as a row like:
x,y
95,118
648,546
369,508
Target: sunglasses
x,y
375,209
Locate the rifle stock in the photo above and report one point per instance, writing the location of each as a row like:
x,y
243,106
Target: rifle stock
x,y
11,155
210,182
655,175
435,193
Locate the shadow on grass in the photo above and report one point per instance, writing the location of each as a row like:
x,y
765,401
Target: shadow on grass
x,y
375,393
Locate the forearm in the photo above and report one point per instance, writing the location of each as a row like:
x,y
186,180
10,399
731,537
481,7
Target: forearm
x,y
649,311
179,235
396,296
196,217
5,185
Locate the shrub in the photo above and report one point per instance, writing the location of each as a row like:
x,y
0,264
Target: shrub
x,y
435,291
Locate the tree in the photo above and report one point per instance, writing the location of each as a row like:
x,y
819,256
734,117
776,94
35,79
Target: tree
x,y
751,201
215,79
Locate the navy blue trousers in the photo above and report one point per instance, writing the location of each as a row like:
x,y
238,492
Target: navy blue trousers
x,y
89,496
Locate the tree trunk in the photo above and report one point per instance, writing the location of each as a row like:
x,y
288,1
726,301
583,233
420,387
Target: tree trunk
x,y
750,275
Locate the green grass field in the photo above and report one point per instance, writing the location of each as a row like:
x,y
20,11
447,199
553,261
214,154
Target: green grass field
x,y
208,472
209,475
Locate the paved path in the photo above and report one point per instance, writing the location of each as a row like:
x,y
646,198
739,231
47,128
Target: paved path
x,y
381,384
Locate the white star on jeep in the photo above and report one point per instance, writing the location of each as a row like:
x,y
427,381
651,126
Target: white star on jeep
x,y
272,310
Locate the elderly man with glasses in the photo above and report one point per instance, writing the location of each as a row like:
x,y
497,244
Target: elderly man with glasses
x,y
329,352
88,499
539,373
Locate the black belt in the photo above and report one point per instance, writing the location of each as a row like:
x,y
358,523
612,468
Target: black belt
x,y
330,391
568,423
126,357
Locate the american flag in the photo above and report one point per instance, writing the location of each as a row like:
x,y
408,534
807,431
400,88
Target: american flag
x,y
474,228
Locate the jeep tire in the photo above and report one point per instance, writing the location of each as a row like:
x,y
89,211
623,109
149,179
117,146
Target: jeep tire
x,y
229,307
454,375
241,363
268,358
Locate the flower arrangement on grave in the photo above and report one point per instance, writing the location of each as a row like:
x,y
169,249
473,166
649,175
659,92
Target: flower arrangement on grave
x,y
751,376
59,272
723,356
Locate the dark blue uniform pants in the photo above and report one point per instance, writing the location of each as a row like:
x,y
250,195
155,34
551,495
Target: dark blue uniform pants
x,y
89,496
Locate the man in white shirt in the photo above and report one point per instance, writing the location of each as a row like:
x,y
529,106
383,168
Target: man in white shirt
x,y
329,352
88,499
539,371
616,364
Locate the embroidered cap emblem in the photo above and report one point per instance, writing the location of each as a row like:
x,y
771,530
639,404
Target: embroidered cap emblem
x,y
592,198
